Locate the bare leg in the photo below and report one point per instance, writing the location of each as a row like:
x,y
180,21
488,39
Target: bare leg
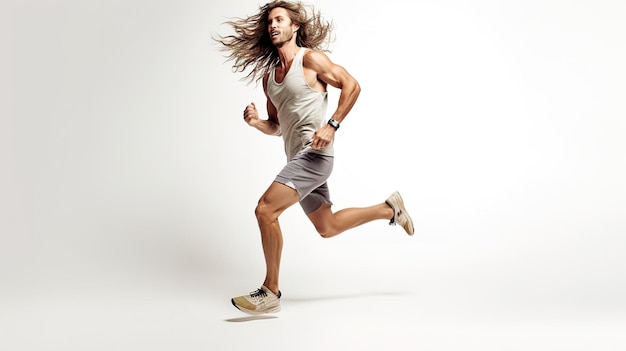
x,y
276,199
329,224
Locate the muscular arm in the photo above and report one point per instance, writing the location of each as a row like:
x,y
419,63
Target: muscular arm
x,y
327,72
336,76
269,126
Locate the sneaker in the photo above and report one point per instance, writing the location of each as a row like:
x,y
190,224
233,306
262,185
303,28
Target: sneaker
x,y
400,216
260,301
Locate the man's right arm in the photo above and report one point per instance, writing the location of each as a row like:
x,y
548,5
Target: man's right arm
x,y
270,126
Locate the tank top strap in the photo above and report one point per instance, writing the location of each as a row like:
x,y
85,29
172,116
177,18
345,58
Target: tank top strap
x,y
297,62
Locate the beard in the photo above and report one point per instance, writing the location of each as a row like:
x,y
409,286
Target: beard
x,y
282,39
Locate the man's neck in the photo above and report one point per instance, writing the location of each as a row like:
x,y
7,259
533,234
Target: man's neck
x,y
286,53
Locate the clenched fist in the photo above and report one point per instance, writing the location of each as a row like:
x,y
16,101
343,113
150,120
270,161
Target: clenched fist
x,y
251,115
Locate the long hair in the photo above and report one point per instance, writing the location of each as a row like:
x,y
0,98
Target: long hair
x,y
251,46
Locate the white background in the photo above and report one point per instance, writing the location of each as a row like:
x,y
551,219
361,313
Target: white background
x,y
128,180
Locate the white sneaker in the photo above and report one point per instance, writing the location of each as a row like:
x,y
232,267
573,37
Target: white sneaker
x,y
400,216
260,301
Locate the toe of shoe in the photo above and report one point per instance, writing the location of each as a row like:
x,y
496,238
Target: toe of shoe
x,y
408,225
243,303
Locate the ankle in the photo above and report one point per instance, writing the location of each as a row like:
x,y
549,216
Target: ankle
x,y
273,288
388,211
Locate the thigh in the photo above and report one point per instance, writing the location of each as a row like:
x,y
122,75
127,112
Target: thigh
x,y
317,197
278,197
321,217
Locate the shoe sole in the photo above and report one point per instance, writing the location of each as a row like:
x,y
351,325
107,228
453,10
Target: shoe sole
x,y
253,312
408,227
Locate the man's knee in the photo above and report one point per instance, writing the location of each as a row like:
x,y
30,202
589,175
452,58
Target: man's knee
x,y
266,211
262,211
325,230
324,221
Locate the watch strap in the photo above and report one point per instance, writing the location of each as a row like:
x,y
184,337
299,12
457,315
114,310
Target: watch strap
x,y
333,123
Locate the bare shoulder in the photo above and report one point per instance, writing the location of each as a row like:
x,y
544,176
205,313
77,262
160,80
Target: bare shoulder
x,y
325,70
316,58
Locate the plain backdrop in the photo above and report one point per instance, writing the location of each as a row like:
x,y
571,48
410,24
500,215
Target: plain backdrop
x,y
128,180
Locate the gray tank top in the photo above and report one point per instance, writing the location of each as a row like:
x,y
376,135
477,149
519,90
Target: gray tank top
x,y
301,109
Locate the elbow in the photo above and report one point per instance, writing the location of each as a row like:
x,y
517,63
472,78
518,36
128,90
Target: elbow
x,y
277,131
357,89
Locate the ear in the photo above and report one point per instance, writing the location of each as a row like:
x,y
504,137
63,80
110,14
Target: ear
x,y
296,27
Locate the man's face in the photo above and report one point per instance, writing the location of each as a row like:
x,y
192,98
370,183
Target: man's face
x,y
280,27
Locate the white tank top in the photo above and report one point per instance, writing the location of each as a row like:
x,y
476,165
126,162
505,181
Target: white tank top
x,y
301,109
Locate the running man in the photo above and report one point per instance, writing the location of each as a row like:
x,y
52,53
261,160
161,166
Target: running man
x,y
284,44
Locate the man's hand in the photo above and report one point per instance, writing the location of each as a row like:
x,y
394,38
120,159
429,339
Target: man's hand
x,y
251,115
323,137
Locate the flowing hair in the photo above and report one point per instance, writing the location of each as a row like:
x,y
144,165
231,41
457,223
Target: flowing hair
x,y
251,46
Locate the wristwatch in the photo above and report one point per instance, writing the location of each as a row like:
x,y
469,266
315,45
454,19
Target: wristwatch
x,y
333,123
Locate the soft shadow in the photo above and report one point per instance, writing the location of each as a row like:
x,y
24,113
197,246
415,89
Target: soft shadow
x,y
249,319
345,296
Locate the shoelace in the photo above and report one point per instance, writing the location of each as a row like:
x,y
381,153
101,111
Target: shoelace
x,y
258,293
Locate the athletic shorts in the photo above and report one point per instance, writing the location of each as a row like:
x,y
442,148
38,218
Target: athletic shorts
x,y
307,173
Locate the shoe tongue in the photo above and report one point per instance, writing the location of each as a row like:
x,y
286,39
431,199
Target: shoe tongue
x,y
267,290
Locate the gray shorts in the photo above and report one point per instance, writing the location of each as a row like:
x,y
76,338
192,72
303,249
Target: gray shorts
x,y
307,173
